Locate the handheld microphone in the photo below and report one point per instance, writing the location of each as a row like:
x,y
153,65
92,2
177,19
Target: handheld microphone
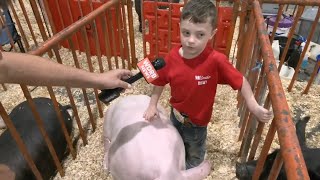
x,y
108,95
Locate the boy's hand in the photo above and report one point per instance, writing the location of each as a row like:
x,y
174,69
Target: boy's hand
x,y
262,114
150,113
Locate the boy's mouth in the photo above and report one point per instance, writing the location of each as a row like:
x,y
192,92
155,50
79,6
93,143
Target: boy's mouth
x,y
189,47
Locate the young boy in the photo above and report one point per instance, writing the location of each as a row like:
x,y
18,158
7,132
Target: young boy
x,y
193,71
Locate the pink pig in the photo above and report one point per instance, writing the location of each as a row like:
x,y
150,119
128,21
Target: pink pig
x,y
138,149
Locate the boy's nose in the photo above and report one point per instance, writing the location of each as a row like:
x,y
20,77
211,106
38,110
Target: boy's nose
x,y
191,39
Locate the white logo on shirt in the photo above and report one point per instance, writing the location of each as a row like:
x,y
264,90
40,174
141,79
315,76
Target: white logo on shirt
x,y
202,80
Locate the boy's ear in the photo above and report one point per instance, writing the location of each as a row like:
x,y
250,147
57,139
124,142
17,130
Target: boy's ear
x,y
213,33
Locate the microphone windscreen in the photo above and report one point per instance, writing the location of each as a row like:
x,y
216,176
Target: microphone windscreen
x,y
158,63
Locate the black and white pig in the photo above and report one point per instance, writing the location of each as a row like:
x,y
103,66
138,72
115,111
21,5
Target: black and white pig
x,y
137,6
136,149
24,122
311,156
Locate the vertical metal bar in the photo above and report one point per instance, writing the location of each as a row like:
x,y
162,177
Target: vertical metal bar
x,y
28,21
131,35
248,46
233,26
157,28
217,7
21,146
247,136
276,24
114,46
143,21
96,39
89,62
252,81
313,28
76,62
44,13
55,103
43,132
71,20
291,32
106,40
5,26
38,19
313,75
264,151
98,49
49,15
118,12
60,118
39,22
23,35
170,26
258,134
256,140
240,34
276,167
125,36
291,152
287,7
73,105
294,10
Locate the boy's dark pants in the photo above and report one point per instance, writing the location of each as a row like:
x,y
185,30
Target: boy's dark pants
x,y
194,139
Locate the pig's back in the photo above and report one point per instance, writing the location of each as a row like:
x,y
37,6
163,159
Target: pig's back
x,y
139,149
127,112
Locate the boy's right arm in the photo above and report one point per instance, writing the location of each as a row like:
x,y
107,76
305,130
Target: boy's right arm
x,y
152,108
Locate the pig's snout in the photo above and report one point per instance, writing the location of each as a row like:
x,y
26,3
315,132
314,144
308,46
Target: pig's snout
x,y
244,171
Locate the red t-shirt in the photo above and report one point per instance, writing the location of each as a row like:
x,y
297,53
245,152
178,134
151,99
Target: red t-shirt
x,y
194,81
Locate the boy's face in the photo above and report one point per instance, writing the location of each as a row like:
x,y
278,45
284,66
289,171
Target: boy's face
x,y
194,37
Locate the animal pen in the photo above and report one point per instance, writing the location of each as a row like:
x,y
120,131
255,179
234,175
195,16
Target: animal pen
x,y
99,36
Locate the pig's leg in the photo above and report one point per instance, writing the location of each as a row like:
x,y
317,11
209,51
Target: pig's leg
x,y
106,153
2,124
301,130
107,142
197,173
106,137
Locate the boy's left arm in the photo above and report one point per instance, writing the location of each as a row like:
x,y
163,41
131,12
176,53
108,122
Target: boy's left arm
x,y
260,112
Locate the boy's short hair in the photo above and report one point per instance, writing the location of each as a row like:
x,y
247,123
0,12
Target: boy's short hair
x,y
198,11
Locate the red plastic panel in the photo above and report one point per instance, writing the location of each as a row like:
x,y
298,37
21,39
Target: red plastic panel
x,y
224,25
78,40
162,39
158,39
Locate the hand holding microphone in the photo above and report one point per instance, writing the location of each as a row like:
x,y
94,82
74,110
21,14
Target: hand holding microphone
x,y
147,70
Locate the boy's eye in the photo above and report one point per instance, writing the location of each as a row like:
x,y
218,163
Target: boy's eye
x,y
186,33
200,35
